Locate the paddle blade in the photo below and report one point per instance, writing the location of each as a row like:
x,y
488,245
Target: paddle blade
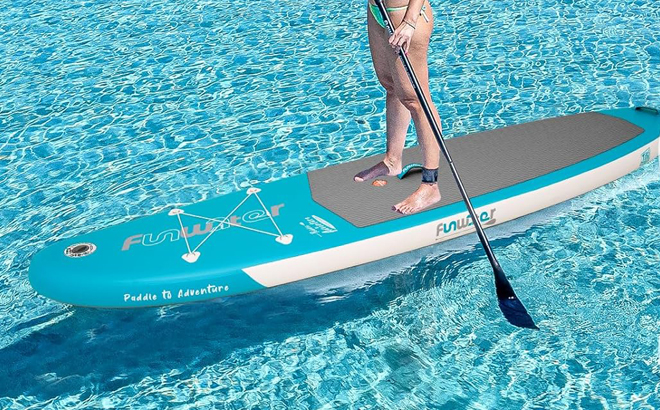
x,y
511,307
514,311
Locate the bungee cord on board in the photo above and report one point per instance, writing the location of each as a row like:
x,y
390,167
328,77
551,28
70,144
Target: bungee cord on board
x,y
193,254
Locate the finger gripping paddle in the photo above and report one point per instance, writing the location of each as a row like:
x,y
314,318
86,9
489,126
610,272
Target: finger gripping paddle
x,y
512,308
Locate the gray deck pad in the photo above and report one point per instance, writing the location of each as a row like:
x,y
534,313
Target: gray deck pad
x,y
486,161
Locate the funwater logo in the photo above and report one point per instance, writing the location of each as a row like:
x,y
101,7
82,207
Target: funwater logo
x,y
318,226
486,218
173,235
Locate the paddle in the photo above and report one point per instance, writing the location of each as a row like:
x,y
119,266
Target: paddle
x,y
510,305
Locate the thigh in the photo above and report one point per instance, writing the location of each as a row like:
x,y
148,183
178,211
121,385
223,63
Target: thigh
x,y
418,57
382,54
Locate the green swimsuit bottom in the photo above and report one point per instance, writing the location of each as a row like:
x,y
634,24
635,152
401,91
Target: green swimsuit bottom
x,y
379,19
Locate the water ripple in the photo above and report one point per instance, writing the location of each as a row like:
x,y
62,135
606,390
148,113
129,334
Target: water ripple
x,y
109,111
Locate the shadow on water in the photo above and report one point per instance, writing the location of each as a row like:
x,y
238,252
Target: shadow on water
x,y
110,349
114,348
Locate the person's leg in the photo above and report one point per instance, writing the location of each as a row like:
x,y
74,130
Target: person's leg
x,y
397,115
427,194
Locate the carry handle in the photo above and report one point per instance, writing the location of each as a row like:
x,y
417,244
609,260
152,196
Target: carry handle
x,y
648,109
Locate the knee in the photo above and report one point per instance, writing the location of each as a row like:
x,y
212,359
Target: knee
x,y
411,102
388,85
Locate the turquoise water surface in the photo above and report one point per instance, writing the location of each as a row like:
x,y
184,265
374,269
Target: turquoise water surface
x,y
113,110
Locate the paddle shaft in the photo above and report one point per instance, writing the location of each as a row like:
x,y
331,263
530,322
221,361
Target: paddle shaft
x,y
439,137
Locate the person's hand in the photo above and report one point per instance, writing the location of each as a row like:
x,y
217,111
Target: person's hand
x,y
402,37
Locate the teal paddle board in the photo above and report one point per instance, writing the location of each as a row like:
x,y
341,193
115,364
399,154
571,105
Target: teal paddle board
x,y
323,221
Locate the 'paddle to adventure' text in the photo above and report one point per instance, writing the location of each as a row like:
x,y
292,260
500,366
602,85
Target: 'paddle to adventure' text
x,y
183,294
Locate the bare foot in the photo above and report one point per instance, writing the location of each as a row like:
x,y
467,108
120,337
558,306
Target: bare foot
x,y
376,171
425,196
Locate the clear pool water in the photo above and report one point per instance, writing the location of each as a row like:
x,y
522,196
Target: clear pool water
x,y
111,110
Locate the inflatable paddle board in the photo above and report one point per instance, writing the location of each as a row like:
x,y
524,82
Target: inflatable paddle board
x,y
312,224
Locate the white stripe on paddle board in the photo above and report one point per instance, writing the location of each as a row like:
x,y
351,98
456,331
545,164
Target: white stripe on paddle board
x,y
383,246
